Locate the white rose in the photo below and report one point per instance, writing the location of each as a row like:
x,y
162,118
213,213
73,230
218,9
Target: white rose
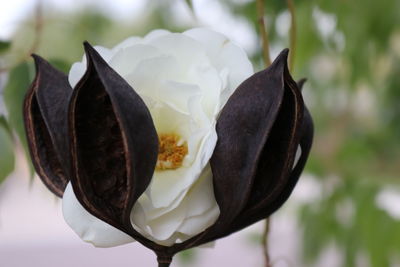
x,y
185,79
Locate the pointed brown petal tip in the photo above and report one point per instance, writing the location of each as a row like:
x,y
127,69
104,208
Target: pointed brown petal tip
x,y
88,48
91,53
114,143
40,63
281,59
283,55
45,120
36,59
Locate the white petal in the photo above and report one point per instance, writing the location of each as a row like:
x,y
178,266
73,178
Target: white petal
x,y
240,68
210,83
126,59
177,94
165,226
139,219
149,75
76,72
155,34
168,184
150,212
127,43
225,56
200,118
201,198
184,49
297,156
211,40
88,227
203,210
167,119
197,224
197,212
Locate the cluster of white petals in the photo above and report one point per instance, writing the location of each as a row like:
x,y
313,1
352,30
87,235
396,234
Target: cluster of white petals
x,y
185,79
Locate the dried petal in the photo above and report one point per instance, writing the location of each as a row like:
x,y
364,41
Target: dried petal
x,y
243,128
268,206
45,119
258,207
276,161
113,142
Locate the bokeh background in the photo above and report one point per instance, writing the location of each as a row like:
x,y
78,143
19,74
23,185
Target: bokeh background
x,y
345,210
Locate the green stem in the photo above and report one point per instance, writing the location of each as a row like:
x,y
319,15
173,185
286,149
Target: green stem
x,y
263,33
293,34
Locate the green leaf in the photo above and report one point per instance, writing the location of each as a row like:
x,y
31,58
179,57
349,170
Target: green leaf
x,y
14,93
4,46
7,159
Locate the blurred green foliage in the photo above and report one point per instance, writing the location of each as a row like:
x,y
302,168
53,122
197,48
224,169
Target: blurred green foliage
x,y
13,93
350,53
6,147
4,46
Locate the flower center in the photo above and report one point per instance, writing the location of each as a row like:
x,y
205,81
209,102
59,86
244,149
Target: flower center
x,y
171,152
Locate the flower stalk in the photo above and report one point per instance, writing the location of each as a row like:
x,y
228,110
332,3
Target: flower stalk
x,y
164,260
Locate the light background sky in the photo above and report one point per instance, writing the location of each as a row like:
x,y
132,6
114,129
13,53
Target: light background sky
x,y
209,13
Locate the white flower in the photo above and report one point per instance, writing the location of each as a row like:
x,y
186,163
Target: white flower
x,y
185,79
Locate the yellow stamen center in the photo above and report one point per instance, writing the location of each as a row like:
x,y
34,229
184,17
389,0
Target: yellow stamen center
x,y
171,152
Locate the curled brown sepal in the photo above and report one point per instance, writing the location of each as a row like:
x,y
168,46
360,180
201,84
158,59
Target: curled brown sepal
x,y
114,144
45,119
258,128
262,127
267,208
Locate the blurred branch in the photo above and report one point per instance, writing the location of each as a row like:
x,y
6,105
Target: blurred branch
x,y
263,33
264,242
267,62
37,28
293,34
189,3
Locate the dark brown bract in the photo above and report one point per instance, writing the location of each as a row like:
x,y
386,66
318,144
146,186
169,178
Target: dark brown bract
x,y
101,137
